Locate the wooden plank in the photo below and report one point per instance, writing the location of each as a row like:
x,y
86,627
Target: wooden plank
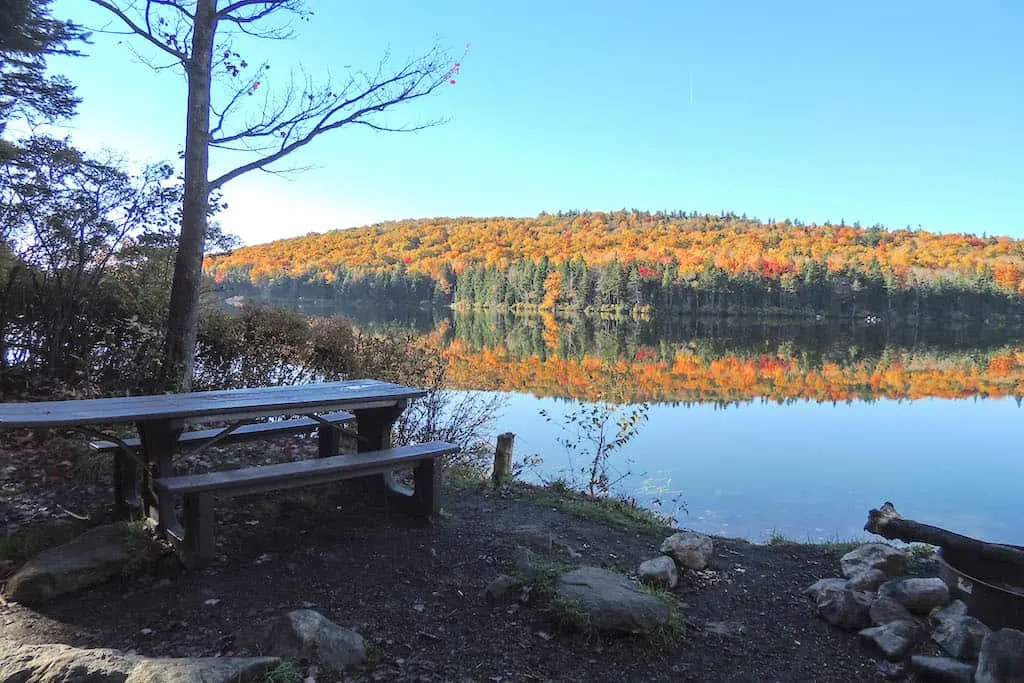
x,y
303,472
258,401
243,433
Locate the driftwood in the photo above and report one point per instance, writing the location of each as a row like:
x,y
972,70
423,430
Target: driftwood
x,y
888,523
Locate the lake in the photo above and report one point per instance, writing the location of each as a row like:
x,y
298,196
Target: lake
x,y
758,428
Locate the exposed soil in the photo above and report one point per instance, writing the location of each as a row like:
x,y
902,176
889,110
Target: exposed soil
x,y
414,593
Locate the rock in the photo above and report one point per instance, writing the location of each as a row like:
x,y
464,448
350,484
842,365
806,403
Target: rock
x,y
894,639
533,537
610,602
93,558
524,559
1001,658
891,561
689,549
960,636
725,628
306,634
941,670
917,595
885,610
63,664
660,571
502,589
204,670
845,608
891,671
867,580
818,587
957,608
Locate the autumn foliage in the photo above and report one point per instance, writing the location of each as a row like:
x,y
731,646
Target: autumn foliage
x,y
689,243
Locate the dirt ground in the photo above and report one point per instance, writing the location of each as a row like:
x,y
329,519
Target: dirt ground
x,y
414,593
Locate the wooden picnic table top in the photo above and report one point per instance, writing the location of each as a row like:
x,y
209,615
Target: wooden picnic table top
x,y
234,403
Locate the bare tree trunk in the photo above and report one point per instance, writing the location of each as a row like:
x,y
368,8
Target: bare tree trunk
x,y
183,318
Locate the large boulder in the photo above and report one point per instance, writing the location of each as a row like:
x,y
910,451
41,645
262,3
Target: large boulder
x,y
611,602
306,634
64,664
1001,659
960,636
689,549
941,670
93,558
891,561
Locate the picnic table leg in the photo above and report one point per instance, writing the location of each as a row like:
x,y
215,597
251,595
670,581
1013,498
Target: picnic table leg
x,y
328,440
374,426
158,441
126,484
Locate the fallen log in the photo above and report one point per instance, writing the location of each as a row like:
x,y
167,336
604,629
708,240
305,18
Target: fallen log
x,y
888,523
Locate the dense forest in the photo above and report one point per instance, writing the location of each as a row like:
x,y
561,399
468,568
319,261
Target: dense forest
x,y
707,362
633,261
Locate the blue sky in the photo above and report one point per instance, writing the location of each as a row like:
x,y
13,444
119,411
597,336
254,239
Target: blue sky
x,y
904,113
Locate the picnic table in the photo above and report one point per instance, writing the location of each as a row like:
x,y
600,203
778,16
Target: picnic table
x,y
143,467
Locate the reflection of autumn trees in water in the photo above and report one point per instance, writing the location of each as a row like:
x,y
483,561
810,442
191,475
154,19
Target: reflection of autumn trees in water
x,y
708,361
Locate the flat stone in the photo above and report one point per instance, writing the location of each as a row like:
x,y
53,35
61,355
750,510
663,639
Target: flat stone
x,y
885,610
64,664
960,636
533,537
95,557
845,608
957,608
502,589
611,602
1001,658
941,670
894,639
689,549
660,571
306,634
917,595
891,561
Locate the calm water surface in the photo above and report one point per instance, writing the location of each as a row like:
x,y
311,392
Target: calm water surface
x,y
761,428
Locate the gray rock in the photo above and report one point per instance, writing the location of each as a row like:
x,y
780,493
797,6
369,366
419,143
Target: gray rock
x,y
891,671
955,609
885,610
689,549
821,585
891,561
1001,659
917,595
524,559
610,602
660,571
64,664
941,670
867,580
894,639
306,634
960,637
93,558
533,537
845,608
502,589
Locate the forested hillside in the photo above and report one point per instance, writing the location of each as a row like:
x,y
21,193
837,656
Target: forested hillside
x,y
632,260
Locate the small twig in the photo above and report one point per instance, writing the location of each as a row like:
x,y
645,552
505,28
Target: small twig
x,y
428,635
81,518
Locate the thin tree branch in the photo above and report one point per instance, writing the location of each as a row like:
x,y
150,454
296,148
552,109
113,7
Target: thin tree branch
x,y
139,30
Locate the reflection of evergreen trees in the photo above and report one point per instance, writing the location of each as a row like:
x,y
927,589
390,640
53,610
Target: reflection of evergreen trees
x,y
815,290
524,336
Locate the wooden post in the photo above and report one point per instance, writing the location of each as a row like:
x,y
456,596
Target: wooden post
x,y
503,458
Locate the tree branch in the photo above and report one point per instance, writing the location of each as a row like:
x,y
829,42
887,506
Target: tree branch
x,y
141,31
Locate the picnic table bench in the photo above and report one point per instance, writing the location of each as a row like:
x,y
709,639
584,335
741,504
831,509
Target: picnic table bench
x,y
143,467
